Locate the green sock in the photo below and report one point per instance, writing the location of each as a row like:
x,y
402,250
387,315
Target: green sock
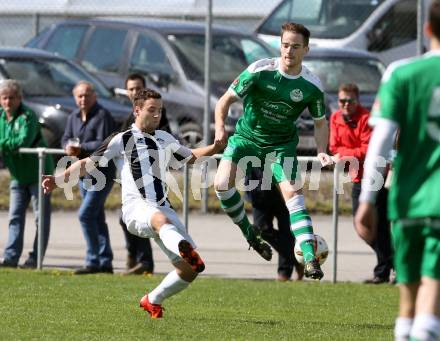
x,y
233,205
301,228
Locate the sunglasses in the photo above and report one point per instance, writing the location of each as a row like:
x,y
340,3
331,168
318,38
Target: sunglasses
x,y
347,100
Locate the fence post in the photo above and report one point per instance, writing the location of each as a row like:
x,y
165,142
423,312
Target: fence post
x,y
185,195
207,106
41,152
41,159
335,221
36,23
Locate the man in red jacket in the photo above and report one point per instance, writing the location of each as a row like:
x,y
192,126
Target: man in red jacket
x,y
349,137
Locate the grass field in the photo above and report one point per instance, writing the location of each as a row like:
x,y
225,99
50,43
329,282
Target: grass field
x,y
54,305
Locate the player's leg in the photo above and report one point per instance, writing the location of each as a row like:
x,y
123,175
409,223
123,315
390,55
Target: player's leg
x,y
302,228
286,174
231,200
407,264
404,321
173,283
426,324
163,225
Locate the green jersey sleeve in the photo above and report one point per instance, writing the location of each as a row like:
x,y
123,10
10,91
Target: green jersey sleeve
x,y
243,84
390,103
316,107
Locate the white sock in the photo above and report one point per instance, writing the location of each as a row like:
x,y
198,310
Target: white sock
x,y
402,328
426,327
170,285
170,237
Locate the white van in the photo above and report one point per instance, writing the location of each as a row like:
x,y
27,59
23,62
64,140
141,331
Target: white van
x,y
387,28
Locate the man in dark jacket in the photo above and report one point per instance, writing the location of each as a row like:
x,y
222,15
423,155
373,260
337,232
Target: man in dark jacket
x,y
19,128
86,129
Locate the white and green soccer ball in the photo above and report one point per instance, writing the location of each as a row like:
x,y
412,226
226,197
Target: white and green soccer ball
x,y
321,250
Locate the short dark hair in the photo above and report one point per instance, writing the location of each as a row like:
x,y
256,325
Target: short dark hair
x,y
349,87
143,95
297,28
134,76
434,18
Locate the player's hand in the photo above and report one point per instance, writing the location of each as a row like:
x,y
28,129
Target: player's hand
x,y
221,136
48,183
218,146
365,222
325,159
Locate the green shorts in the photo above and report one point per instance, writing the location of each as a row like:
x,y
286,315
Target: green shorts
x,y
247,154
417,249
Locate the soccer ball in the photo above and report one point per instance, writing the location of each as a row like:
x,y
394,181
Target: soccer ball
x,y
321,250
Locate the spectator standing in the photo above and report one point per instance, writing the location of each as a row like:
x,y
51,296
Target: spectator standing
x,y
349,138
87,127
19,128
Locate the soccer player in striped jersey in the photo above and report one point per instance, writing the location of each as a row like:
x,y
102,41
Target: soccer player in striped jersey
x,y
409,99
274,92
143,155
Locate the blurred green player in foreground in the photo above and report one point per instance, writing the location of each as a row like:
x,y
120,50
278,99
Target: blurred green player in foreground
x,y
409,99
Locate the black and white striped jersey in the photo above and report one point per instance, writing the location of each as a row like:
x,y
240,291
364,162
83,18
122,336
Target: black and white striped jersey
x,y
143,160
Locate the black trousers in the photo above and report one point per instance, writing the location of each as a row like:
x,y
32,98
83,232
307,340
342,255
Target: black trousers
x,y
269,205
382,246
138,248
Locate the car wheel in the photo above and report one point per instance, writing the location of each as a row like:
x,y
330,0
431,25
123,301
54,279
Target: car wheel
x,y
191,135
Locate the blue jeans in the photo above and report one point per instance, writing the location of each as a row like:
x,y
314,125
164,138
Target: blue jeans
x,y
19,198
92,219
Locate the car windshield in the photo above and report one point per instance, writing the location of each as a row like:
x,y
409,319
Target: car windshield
x,y
326,19
364,72
47,77
230,55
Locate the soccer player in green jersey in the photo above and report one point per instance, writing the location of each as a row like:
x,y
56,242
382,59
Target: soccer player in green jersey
x,y
274,92
409,99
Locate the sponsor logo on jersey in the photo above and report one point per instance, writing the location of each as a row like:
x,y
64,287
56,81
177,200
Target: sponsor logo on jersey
x,y
296,95
271,87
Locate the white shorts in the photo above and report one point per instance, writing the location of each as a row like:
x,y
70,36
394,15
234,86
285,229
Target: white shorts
x,y
137,216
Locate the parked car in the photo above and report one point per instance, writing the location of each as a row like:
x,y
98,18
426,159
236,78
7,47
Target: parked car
x,y
386,27
335,66
169,53
47,81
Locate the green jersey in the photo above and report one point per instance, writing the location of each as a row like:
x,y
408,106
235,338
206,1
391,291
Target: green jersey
x,y
410,96
273,101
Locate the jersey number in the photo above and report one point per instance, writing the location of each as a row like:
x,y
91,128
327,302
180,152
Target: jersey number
x,y
434,115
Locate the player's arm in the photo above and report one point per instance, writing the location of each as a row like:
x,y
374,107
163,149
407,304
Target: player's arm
x,y
321,138
317,111
240,87
221,112
79,167
210,150
108,149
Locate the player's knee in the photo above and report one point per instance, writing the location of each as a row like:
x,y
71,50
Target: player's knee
x,y
221,183
158,220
